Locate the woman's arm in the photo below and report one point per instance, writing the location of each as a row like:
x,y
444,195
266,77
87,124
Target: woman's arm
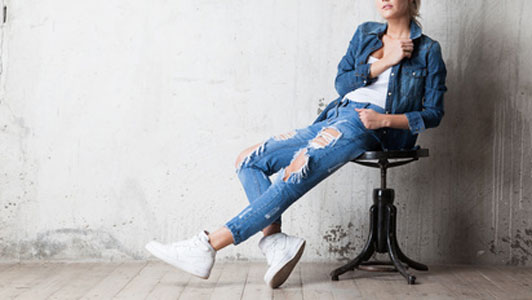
x,y
374,120
378,67
351,76
399,121
394,51
432,113
435,88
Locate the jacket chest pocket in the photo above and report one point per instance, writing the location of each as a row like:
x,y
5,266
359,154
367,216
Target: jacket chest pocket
x,y
413,82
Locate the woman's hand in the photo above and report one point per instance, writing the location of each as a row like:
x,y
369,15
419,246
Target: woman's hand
x,y
371,119
396,49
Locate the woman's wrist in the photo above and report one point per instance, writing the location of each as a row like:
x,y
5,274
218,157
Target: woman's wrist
x,y
385,120
386,62
376,68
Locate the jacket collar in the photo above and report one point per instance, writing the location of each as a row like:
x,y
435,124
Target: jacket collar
x,y
415,30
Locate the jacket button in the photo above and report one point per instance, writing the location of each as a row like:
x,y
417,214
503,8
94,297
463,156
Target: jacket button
x,y
389,93
365,81
384,131
413,73
393,74
387,112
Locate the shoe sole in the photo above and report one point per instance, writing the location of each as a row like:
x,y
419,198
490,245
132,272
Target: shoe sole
x,y
284,271
180,265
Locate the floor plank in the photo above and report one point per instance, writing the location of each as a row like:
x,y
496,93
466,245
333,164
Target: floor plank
x,y
79,285
456,278
198,288
24,277
244,280
255,287
170,286
345,287
232,281
112,284
143,283
315,285
428,285
371,284
5,266
504,282
61,276
291,288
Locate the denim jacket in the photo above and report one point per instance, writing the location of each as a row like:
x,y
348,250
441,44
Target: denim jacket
x,y
416,86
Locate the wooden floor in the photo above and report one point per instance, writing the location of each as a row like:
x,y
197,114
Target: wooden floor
x,y
243,280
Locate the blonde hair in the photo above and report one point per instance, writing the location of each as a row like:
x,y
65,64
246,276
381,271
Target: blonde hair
x,y
413,8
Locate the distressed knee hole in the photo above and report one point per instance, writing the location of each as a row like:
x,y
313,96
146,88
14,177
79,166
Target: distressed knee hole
x,y
246,155
285,136
298,166
326,137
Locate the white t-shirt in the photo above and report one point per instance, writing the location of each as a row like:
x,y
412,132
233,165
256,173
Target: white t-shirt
x,y
375,92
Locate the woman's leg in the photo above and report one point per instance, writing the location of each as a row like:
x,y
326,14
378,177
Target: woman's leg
x,y
337,142
255,182
255,164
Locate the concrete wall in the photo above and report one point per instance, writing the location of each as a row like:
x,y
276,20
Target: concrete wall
x,y
120,122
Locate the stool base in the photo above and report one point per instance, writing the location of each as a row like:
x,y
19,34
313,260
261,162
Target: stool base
x,y
382,239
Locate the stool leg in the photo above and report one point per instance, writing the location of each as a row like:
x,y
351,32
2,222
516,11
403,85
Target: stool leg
x,y
366,253
392,247
410,262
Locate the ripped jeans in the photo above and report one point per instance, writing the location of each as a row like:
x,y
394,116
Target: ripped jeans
x,y
303,157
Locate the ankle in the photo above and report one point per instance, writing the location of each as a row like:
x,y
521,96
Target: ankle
x,y
220,238
208,235
272,229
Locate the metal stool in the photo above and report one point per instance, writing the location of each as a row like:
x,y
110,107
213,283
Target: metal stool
x,y
382,229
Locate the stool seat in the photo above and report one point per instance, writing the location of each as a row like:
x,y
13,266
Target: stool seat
x,y
392,154
383,157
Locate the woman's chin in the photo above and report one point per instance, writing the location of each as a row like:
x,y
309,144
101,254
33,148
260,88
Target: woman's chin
x,y
389,15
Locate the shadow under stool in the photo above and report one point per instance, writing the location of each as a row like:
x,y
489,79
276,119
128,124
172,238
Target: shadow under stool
x,y
382,229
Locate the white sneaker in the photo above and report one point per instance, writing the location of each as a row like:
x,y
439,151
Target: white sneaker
x,y
282,253
195,255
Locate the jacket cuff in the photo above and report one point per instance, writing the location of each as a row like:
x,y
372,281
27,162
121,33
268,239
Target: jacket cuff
x,y
363,71
415,122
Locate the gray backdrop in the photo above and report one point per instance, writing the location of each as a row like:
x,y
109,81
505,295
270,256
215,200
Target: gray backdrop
x,y
121,122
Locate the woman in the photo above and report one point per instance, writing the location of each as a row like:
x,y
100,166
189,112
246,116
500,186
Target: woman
x,y
387,72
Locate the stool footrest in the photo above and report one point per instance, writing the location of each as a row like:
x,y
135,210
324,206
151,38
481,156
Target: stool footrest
x,y
378,266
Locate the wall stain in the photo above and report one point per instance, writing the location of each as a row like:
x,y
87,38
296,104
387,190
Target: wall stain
x,y
66,243
335,241
321,105
521,245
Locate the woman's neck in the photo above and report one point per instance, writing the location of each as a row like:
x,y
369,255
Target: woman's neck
x,y
398,28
